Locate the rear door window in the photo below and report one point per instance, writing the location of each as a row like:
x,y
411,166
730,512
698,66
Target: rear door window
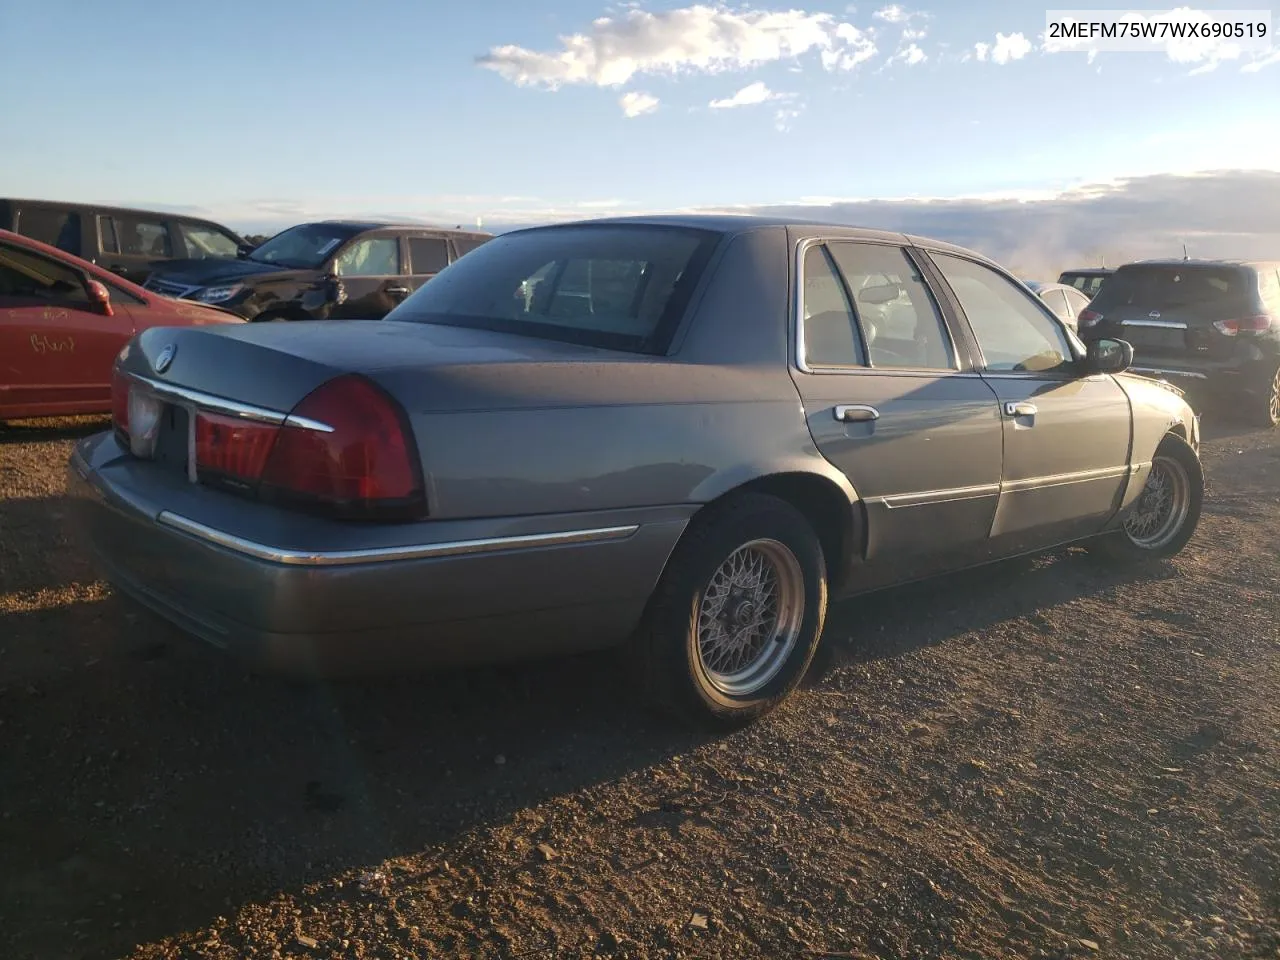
x,y
58,228
143,237
428,255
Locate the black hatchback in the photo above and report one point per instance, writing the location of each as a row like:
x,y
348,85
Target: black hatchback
x,y
1209,324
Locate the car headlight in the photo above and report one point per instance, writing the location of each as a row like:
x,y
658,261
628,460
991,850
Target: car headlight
x,y
217,294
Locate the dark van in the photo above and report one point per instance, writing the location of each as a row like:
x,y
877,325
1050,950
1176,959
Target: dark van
x,y
127,242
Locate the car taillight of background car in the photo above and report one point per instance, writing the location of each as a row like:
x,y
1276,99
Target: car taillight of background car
x,y
1247,326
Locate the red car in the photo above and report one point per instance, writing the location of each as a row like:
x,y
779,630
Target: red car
x,y
62,322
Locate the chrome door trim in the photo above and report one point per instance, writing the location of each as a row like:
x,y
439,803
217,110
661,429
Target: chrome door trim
x,y
926,497
1171,373
423,551
861,413
1062,479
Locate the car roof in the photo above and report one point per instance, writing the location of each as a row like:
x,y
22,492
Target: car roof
x,y
1090,271
105,208
362,225
1179,262
95,271
731,224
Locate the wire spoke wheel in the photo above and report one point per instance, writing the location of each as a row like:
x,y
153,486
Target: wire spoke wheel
x,y
749,617
1273,399
1162,507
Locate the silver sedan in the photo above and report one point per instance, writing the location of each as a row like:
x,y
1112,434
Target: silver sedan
x,y
678,435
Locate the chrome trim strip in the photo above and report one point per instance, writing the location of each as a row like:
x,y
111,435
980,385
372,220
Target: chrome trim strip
x,y
924,497
232,408
1062,479
1171,373
329,558
1164,324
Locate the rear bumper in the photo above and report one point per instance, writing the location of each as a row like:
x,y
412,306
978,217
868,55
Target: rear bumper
x,y
1248,376
465,591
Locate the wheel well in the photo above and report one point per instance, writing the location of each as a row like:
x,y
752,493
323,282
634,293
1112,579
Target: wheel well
x,y
837,523
1180,429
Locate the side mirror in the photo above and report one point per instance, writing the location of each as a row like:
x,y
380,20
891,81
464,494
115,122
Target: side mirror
x,y
243,250
1108,356
100,296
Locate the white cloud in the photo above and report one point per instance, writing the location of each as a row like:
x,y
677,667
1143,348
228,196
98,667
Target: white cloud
x,y
783,117
1256,65
698,38
748,96
910,55
893,13
1015,46
637,104
914,33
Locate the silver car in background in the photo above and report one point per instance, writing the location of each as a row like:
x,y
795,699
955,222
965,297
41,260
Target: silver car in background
x,y
681,435
1065,302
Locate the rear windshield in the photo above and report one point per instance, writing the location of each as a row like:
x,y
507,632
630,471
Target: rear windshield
x,y
621,287
1169,287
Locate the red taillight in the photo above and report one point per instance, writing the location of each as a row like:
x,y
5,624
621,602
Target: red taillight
x,y
119,401
365,465
1088,318
1249,326
231,448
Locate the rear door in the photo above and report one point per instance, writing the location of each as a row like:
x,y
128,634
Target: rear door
x,y
1168,311
890,401
56,346
57,226
1066,436
428,254
370,277
131,243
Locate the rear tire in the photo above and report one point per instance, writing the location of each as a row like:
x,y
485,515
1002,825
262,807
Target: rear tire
x,y
737,616
1161,522
1266,410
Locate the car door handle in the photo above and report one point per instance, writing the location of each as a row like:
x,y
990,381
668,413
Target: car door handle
x,y
398,291
1019,408
856,413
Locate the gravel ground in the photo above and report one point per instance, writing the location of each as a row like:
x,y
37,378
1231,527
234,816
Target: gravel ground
x,y
1042,759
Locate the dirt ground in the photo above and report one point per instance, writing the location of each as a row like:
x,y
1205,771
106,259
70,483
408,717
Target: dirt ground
x,y
1042,759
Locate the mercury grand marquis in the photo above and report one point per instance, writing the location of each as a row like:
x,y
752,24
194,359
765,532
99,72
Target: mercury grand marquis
x,y
679,436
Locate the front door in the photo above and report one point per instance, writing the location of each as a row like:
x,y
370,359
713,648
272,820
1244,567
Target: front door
x,y
369,277
890,403
1066,436
56,346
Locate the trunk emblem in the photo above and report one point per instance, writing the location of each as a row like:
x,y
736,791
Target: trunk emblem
x,y
1154,314
165,358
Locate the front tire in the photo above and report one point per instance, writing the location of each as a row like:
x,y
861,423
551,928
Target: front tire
x,y
737,616
1161,522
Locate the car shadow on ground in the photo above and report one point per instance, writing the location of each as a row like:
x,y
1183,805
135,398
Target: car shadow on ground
x,y
51,428
153,785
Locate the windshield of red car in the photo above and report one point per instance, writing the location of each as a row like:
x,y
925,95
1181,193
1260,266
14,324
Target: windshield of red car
x,y
616,286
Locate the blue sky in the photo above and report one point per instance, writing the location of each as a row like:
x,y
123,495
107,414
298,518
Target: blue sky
x,y
276,111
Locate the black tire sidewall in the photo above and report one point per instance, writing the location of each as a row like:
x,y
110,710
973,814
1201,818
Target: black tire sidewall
x,y
674,663
1177,449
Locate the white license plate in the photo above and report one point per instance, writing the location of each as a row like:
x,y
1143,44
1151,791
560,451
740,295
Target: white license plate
x,y
145,412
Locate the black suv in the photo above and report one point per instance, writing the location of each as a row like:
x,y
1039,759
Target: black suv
x,y
1213,324
335,269
128,242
